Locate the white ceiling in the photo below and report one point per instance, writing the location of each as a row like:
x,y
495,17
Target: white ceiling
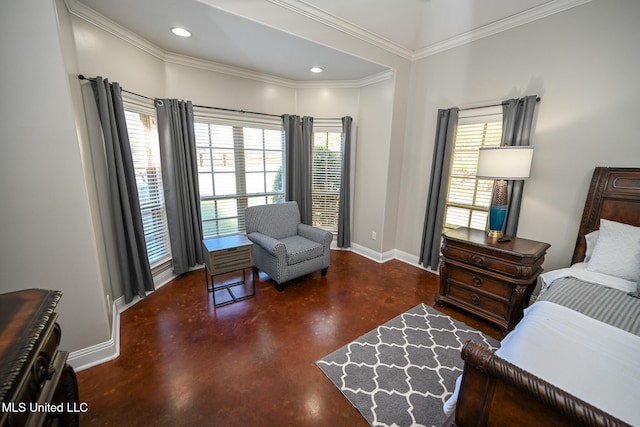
x,y
279,37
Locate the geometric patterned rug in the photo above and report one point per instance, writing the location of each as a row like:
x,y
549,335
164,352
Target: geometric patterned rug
x,y
401,373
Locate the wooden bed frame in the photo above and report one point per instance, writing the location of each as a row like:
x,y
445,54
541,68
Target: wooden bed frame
x,y
495,392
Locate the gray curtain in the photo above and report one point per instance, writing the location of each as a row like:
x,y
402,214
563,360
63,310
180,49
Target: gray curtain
x,y
135,272
180,181
298,132
434,216
516,129
344,206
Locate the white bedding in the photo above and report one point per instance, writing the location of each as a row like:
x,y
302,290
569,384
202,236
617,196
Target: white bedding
x,y
594,361
587,358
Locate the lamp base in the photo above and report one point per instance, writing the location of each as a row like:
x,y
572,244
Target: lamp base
x,y
497,215
495,234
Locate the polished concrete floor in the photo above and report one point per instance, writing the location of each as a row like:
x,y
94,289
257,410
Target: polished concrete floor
x,y
184,362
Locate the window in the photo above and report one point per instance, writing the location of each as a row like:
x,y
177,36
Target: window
x,y
145,148
240,164
468,198
325,178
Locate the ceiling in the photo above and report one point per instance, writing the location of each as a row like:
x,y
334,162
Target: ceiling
x,y
284,38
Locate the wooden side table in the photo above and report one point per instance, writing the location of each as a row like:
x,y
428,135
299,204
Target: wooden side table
x,y
491,279
226,255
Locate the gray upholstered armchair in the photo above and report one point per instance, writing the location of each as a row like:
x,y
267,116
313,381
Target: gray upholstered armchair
x,y
283,247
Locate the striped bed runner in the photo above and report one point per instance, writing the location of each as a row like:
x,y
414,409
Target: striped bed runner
x,y
605,304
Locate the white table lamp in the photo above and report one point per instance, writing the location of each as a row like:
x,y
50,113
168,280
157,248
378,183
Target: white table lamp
x,y
502,164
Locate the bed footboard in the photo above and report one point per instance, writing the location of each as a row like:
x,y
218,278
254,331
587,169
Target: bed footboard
x,y
495,392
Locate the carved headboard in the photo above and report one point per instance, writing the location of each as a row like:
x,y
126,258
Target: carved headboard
x,y
614,194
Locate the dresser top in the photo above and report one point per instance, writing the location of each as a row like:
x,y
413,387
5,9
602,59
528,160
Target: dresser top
x,y
479,238
23,318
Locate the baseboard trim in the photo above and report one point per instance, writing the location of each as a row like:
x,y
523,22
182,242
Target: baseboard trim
x,y
97,354
379,257
383,257
103,352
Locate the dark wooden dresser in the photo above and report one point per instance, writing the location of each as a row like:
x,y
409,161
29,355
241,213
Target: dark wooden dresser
x,y
491,279
37,387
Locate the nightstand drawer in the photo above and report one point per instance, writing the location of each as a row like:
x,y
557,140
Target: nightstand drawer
x,y
485,262
481,282
231,259
477,299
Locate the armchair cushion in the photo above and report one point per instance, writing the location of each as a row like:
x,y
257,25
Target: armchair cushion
x,y
301,249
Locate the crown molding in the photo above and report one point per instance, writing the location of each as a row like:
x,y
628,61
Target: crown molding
x,y
303,8
86,13
346,84
517,20
323,17
203,64
83,12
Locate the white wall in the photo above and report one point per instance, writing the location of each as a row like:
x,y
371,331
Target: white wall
x,y
372,164
584,64
47,238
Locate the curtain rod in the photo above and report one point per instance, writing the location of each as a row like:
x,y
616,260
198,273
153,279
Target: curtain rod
x,y
487,106
82,77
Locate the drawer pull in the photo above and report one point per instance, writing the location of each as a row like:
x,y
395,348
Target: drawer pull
x,y
479,261
477,281
475,299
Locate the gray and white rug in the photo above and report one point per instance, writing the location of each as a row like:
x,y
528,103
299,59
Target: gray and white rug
x,y
402,372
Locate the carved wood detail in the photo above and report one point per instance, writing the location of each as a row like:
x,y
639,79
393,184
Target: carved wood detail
x,y
566,405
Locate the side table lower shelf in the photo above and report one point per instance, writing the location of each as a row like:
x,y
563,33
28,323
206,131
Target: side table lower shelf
x,y
213,288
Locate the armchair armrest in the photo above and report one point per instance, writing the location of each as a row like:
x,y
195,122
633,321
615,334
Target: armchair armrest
x,y
269,244
316,234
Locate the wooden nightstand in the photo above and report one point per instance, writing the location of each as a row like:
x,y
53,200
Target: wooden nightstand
x,y
491,279
225,255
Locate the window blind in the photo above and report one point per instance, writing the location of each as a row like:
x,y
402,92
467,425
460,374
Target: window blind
x,y
468,198
240,164
145,150
325,178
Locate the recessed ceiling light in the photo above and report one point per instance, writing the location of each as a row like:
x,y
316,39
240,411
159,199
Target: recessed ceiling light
x,y
316,69
181,32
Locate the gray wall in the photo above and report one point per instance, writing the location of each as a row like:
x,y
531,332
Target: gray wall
x,y
584,64
46,232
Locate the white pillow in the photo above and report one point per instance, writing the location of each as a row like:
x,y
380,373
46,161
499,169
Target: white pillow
x,y
617,251
591,239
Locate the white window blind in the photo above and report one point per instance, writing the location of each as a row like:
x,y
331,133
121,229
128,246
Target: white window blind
x,y
143,137
240,164
325,178
468,198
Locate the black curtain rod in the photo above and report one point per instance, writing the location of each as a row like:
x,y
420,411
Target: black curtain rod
x,y
81,77
487,106
237,111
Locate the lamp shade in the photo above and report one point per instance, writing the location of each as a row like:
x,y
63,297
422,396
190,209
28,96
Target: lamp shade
x,y
506,162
